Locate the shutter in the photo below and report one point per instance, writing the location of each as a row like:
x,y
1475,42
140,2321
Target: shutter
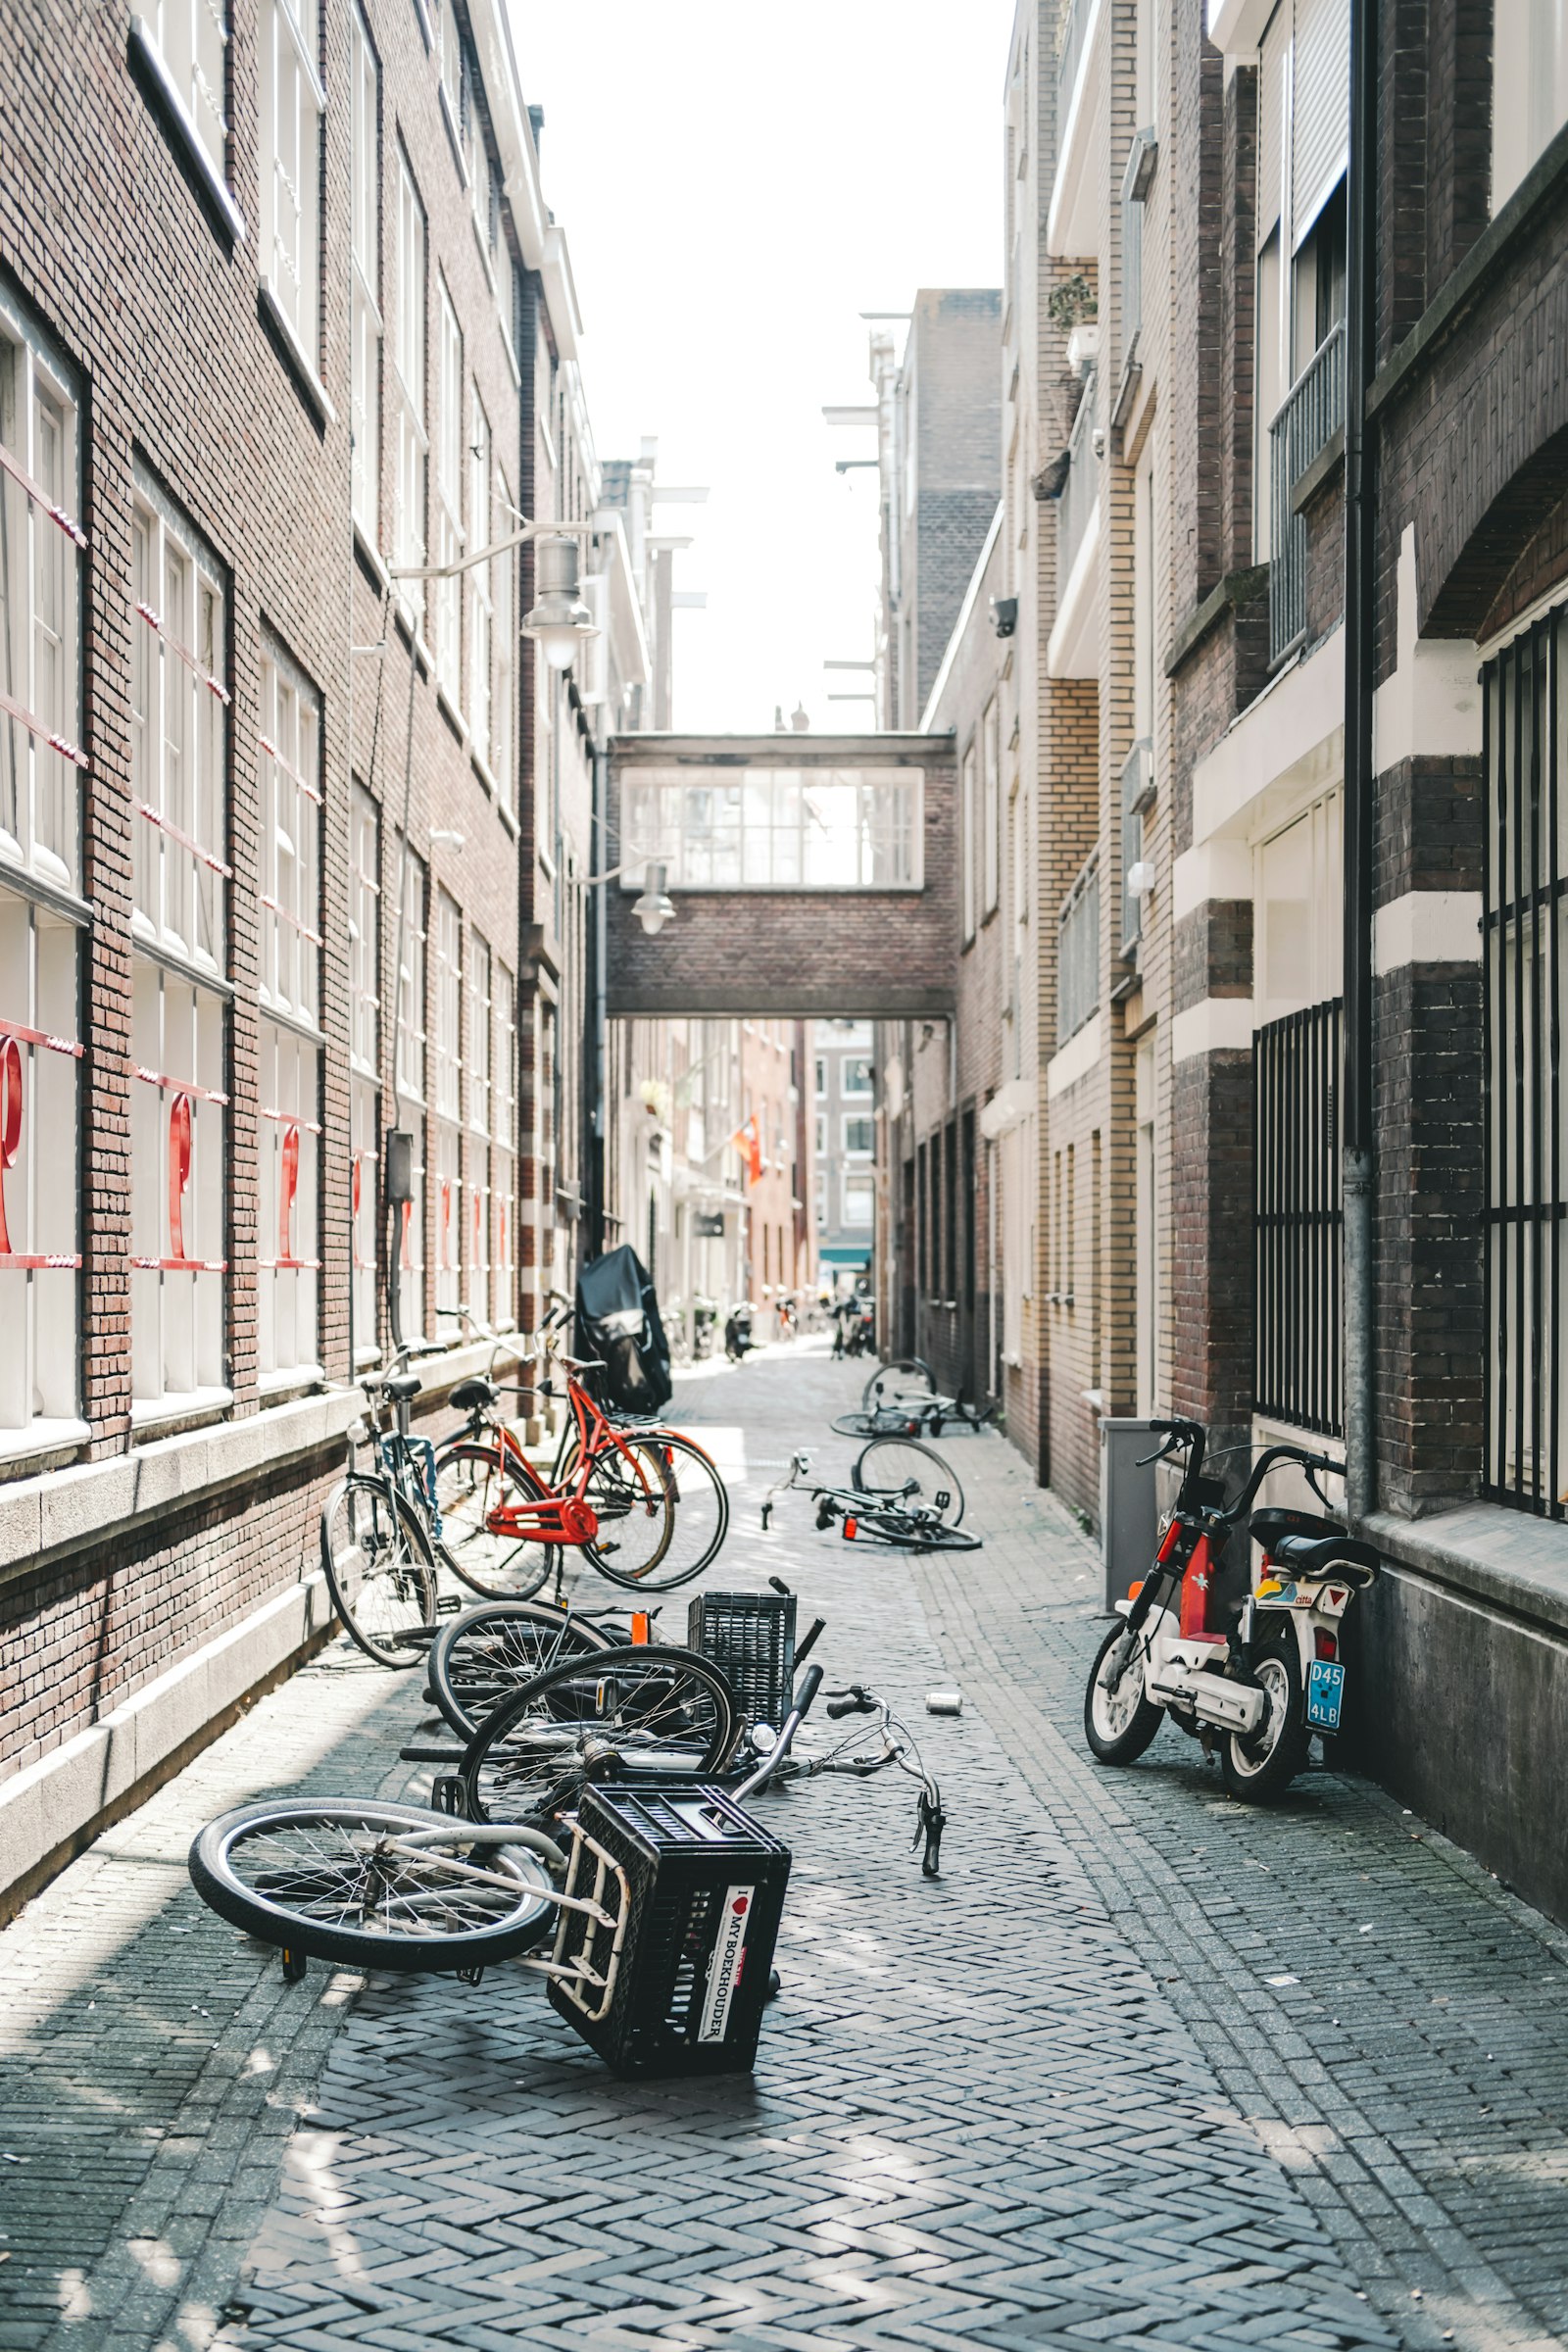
x,y
1321,129
1273,71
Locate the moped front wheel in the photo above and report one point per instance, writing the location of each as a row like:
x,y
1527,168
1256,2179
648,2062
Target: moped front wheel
x,y
1260,1765
1119,1717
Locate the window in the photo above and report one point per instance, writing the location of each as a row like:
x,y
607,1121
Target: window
x,y
478,1035
1297,898
502,1162
408,545
292,105
821,1085
178,735
289,1136
503,717
410,979
1530,88
966,830
289,866
448,505
1318,280
1078,956
178,1157
191,36
364,1059
859,1200
449,46
365,1197
482,183
42,548
855,1077
1268,391
40,1085
990,813
822,1198
859,1137
776,828
448,1102
821,1135
481,611
366,329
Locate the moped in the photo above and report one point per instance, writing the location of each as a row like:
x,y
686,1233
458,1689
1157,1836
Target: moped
x,y
1257,1682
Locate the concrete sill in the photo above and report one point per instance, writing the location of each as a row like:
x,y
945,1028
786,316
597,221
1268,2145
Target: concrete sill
x,y
1511,1563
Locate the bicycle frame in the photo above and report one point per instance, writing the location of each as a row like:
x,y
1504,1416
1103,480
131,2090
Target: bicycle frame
x,y
566,1517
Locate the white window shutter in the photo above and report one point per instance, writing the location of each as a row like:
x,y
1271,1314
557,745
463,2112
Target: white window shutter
x,y
1273,87
1321,128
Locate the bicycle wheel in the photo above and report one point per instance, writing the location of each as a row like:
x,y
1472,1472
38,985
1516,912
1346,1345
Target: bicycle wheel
x,y
337,1879
478,1659
380,1570
633,1501
645,1714
470,1480
901,1470
907,1376
700,1503
855,1425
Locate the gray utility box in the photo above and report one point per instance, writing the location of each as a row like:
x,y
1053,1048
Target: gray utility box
x,y
1128,1512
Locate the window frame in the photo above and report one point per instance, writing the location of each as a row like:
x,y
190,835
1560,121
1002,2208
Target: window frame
x,y
180,799
189,89
41,1215
289,84
409,368
367,328
450,537
290,910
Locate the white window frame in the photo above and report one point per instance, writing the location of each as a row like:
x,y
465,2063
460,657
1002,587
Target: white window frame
x,y
191,36
1529,90
857,1151
502,1156
289,875
178,736
179,1168
365,936
857,1094
480,967
365,1202
967,835
41,1258
366,329
289,1153
293,106
481,594
447,1105
408,385
410,1037
766,829
991,809
449,533
503,714
856,1184
41,762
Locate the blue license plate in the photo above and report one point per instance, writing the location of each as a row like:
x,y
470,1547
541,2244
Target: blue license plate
x,y
1325,1695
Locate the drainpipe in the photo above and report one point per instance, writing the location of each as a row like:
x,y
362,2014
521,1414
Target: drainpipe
x,y
1360,561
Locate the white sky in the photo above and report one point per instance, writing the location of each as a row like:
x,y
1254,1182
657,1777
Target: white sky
x,y
737,183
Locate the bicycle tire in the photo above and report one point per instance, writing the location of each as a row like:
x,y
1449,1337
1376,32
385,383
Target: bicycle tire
x,y
700,1517
388,1609
471,1479
853,1425
307,1856
888,1464
946,1539
630,1545
478,1659
648,1713
885,1379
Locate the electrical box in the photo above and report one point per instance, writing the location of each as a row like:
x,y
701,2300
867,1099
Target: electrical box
x,y
1129,1513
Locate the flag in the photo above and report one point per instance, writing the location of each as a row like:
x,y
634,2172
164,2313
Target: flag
x,y
748,1138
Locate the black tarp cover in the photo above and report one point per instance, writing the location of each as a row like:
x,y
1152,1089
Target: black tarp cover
x,y
618,1321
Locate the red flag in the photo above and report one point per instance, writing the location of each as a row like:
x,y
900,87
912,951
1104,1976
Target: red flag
x,y
748,1138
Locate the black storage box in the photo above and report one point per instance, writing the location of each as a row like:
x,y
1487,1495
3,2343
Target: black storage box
x,y
707,1885
750,1637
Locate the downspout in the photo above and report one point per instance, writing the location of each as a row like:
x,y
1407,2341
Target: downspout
x,y
1360,560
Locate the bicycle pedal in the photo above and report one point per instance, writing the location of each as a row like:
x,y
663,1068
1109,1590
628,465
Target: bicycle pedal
x,y
446,1795
448,1604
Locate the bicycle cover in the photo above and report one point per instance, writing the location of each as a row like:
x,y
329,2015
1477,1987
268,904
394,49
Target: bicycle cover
x,y
619,1322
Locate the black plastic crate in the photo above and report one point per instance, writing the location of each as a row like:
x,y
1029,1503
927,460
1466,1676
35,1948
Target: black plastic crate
x,y
707,1889
750,1637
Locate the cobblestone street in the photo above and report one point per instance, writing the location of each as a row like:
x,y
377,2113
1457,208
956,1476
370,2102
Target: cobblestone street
x,y
1142,2068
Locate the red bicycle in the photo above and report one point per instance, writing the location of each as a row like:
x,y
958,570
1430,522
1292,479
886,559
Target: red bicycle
x,y
644,1505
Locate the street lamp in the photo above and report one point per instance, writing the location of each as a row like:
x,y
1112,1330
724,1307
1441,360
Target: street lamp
x,y
655,908
560,621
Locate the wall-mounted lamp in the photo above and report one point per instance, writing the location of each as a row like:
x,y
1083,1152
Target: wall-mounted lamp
x,y
443,838
558,622
1003,615
1141,878
655,908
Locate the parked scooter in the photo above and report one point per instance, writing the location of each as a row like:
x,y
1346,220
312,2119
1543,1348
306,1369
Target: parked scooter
x,y
705,1314
737,1340
1258,1688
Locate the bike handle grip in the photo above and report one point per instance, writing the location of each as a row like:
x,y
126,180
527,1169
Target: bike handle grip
x,y
843,1707
806,1689
810,1639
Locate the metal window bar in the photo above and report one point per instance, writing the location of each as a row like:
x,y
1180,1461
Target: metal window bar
x,y
1298,1219
1082,486
1137,792
1310,413
1078,956
1525,904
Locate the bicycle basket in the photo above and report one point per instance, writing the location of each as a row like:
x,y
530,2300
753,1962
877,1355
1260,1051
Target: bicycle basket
x,y
750,1637
707,1885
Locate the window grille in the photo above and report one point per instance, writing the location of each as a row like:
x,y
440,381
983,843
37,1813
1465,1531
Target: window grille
x,y
1525,901
367,327
1312,410
1078,955
293,103
1298,1220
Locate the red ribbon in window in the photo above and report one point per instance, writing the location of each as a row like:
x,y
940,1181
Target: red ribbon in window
x,y
178,1172
354,1219
478,1231
407,1244
446,1221
10,1124
289,1188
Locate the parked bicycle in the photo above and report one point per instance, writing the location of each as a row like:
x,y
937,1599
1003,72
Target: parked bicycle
x,y
1260,1686
381,1526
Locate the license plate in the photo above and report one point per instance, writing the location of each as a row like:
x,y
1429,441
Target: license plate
x,y
1325,1695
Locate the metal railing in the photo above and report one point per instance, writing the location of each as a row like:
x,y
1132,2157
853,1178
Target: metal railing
x,y
1310,413
1075,16
1137,792
1082,486
1078,955
1298,1219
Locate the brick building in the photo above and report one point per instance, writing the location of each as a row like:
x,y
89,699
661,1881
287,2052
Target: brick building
x,y
287,833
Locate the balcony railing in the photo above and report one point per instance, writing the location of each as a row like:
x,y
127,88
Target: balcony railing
x,y
1075,16
1078,955
1298,1222
1312,410
1081,488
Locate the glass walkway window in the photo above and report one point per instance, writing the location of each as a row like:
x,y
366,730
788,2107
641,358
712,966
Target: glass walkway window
x,y
775,828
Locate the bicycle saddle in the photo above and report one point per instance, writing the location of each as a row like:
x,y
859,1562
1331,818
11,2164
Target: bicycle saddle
x,y
474,1395
401,1385
1310,1549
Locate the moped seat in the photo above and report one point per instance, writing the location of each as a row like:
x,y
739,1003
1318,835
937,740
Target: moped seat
x,y
1268,1525
1310,1559
474,1395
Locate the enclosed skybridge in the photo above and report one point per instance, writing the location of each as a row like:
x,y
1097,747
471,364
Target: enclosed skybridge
x,y
808,874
